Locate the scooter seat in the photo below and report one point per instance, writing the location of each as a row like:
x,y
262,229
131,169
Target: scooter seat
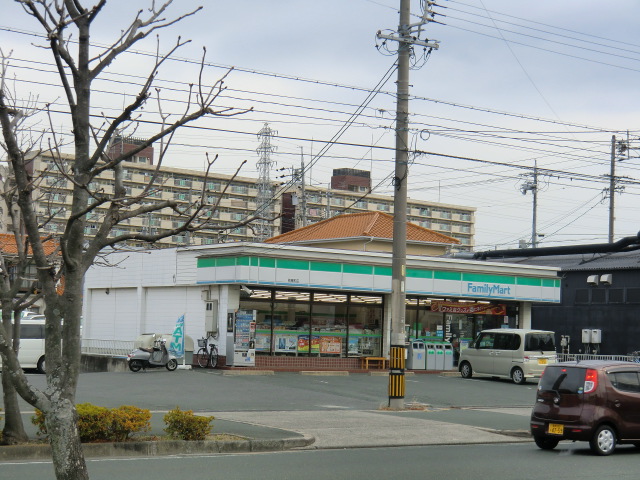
x,y
148,350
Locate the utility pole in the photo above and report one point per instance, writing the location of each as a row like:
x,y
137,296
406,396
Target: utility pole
x,y
612,189
624,149
407,36
532,186
301,207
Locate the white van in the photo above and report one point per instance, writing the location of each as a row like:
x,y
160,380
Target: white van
x,y
31,353
514,353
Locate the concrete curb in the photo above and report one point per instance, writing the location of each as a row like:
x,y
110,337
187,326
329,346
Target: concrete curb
x,y
247,372
386,374
325,373
159,448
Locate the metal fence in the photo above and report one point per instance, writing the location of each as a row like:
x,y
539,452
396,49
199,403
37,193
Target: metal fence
x,y
572,357
111,348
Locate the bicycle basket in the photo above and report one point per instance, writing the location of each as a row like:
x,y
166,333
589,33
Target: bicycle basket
x,y
202,343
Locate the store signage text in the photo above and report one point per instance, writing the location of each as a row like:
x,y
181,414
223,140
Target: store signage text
x,y
488,289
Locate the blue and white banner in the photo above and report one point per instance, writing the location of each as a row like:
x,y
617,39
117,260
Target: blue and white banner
x,y
177,341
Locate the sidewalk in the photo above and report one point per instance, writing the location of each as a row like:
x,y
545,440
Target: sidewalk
x,y
371,428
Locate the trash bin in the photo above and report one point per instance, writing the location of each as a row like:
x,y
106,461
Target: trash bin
x,y
448,356
416,356
431,356
439,356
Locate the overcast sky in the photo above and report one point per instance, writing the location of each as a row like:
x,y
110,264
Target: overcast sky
x,y
513,84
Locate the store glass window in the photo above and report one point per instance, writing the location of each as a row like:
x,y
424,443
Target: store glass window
x,y
322,324
329,324
365,326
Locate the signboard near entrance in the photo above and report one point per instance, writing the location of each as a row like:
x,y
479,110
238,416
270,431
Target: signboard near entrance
x,y
469,308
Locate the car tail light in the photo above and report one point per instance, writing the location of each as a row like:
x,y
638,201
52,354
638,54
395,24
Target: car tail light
x,y
540,381
590,380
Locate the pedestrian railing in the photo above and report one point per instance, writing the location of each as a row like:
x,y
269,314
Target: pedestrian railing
x,y
572,357
112,348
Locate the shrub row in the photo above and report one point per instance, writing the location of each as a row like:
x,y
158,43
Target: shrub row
x,y
187,426
97,424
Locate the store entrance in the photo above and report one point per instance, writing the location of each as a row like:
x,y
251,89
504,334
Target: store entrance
x,y
455,322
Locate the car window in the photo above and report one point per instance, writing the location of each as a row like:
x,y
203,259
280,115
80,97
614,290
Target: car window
x,y
486,340
505,341
562,379
625,381
540,342
31,331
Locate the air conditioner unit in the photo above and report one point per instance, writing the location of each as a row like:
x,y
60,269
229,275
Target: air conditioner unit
x,y
606,279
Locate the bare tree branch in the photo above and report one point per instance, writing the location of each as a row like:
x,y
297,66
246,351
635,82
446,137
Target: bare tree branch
x,y
136,33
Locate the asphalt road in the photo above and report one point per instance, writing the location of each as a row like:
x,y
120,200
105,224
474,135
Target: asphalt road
x,y
497,462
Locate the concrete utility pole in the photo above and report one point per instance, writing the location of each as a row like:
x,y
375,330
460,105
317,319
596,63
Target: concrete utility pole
x,y
624,149
612,189
406,37
532,186
301,207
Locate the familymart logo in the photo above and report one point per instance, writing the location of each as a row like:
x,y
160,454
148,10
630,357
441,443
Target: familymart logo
x,y
489,289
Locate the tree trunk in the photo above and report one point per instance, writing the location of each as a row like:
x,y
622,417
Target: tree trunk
x,y
66,449
13,431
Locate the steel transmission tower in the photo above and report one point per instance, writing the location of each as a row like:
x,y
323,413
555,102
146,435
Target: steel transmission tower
x,y
264,201
408,36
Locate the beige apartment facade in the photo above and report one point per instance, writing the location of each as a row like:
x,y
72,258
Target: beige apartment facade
x,y
236,199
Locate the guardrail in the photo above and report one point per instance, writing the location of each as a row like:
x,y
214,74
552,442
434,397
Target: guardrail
x,y
572,357
111,348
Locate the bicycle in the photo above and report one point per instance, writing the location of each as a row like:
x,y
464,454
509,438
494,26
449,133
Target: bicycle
x,y
207,354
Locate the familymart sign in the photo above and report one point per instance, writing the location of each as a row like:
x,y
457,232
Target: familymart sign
x,y
269,271
489,289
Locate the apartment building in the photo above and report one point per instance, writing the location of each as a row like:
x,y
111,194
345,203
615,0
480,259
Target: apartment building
x,y
236,199
350,192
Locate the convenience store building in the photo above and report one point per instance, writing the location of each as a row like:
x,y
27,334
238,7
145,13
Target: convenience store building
x,y
312,307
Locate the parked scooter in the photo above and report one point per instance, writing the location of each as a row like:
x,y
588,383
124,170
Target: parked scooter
x,y
157,356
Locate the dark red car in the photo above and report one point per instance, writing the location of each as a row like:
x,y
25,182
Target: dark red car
x,y
593,401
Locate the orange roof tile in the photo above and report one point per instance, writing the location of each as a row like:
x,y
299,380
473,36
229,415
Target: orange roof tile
x,y
366,224
8,245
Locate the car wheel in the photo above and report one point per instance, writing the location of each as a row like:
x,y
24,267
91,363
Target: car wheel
x,y
465,370
603,441
172,364
41,365
135,365
517,375
546,443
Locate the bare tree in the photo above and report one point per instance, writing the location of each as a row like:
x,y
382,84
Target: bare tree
x,y
60,274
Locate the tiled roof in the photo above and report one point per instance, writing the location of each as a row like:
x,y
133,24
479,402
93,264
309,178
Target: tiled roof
x,y
366,224
8,245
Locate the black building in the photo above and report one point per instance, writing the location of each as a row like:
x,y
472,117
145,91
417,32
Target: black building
x,y
600,291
